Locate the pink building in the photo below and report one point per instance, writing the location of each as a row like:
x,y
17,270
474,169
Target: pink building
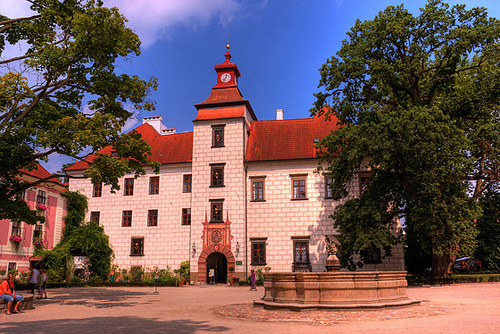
x,y
18,239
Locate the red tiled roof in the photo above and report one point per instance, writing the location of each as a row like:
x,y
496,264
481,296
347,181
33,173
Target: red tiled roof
x,y
287,139
40,173
220,113
166,149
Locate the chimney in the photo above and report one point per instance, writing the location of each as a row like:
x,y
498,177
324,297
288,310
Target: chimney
x,y
157,123
279,114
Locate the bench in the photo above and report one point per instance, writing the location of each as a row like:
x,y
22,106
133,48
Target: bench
x,y
26,304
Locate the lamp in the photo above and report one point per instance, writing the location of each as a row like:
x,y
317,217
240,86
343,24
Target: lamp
x,y
237,247
193,247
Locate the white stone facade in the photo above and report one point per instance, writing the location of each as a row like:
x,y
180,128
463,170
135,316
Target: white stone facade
x,y
291,231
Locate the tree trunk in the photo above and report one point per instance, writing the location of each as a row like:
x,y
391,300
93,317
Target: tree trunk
x,y
441,265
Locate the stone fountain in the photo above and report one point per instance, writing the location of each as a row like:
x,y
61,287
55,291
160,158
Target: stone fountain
x,y
335,290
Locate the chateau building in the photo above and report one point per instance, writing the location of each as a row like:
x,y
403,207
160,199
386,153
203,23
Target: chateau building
x,y
236,192
18,239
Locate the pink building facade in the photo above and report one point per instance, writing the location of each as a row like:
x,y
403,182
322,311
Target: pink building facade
x,y
18,239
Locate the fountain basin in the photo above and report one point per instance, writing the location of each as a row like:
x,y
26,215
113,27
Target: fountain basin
x,y
335,290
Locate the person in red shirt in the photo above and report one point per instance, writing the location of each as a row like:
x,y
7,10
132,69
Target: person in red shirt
x,y
8,293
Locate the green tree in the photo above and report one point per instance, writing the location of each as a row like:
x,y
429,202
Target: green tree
x,y
488,250
79,239
418,100
63,95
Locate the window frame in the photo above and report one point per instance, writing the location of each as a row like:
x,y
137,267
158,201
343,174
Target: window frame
x,y
299,178
16,226
41,197
254,180
127,218
328,189
152,218
37,232
258,246
128,185
94,214
97,190
298,265
218,129
214,168
186,217
137,249
154,185
213,205
187,183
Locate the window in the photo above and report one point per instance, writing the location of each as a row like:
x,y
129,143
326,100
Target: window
x,y
97,190
216,211
258,190
371,256
328,186
41,197
152,217
258,252
129,187
16,228
217,176
186,183
95,216
127,218
218,135
301,254
364,180
299,186
12,267
154,185
37,232
186,216
137,247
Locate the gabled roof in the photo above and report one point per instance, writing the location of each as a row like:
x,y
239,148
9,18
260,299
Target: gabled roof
x,y
287,139
166,149
41,173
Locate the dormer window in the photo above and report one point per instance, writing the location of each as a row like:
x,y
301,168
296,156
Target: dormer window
x,y
218,135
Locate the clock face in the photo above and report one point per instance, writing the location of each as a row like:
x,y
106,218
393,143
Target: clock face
x,y
225,77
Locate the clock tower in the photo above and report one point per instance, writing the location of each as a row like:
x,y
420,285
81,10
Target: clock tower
x,y
218,199
227,73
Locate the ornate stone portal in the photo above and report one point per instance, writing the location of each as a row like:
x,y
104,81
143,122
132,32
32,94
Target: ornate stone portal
x,y
335,290
216,239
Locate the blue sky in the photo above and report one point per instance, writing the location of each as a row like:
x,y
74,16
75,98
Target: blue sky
x,y
278,45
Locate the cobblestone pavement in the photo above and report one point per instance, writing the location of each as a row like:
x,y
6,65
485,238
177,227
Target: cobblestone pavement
x,y
463,308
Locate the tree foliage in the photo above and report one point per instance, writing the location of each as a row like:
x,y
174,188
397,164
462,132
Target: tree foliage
x,y
488,250
79,239
63,95
418,96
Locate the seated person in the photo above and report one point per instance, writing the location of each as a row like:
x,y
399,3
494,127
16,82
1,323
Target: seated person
x,y
8,293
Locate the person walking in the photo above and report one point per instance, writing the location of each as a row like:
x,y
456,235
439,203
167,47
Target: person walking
x,y
253,281
8,293
33,280
43,284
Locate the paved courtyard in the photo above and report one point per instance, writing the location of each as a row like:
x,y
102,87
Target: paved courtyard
x,y
462,308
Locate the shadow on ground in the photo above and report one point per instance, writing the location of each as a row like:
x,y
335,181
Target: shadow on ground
x,y
111,325
95,297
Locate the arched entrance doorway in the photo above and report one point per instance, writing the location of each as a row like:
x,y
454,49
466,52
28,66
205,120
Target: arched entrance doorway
x,y
217,262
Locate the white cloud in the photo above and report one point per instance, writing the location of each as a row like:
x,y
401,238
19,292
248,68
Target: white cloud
x,y
151,18
15,8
